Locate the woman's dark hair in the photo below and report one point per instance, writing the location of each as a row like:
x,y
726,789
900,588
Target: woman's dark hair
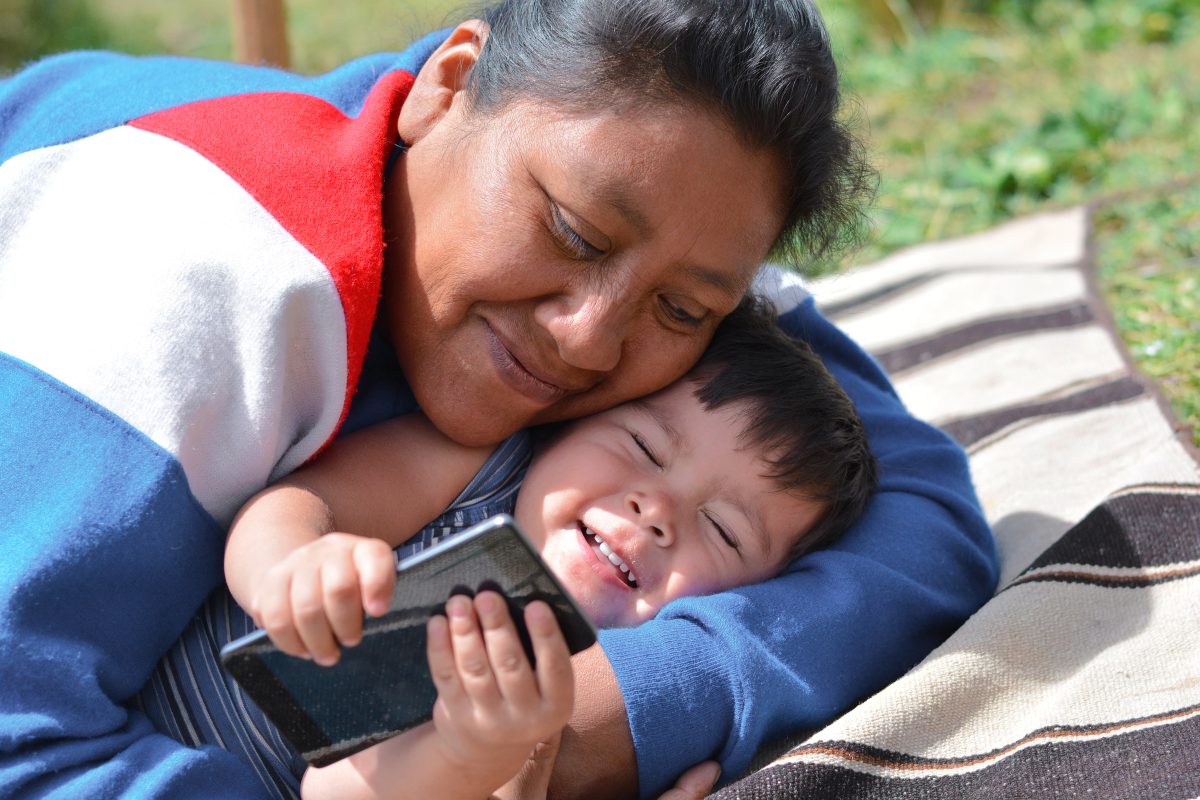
x,y
796,413
764,65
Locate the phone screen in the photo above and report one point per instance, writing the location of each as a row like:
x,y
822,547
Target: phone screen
x,y
382,687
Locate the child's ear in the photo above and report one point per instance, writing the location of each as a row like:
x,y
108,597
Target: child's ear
x,y
441,81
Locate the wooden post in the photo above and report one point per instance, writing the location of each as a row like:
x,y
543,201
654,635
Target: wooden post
x,y
260,32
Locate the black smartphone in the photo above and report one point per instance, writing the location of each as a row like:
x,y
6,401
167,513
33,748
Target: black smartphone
x,y
381,686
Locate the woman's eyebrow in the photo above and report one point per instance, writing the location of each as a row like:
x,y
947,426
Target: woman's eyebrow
x,y
715,279
616,196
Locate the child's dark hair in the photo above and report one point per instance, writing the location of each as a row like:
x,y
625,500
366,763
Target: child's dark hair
x,y
797,414
766,66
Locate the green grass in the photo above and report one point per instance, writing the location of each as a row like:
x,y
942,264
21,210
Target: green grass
x,y
1019,107
986,118
1149,264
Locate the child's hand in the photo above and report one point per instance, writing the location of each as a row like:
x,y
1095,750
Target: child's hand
x,y
315,598
492,706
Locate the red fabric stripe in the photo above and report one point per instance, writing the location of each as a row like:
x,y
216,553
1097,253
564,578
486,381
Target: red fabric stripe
x,y
316,171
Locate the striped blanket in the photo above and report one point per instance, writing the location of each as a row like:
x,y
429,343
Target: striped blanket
x,y
1081,677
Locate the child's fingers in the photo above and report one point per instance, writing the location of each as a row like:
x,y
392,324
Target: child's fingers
x,y
440,654
470,654
376,567
513,675
342,597
312,626
556,680
274,613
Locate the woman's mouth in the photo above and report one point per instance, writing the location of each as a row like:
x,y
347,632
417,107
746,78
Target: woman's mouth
x,y
605,553
516,375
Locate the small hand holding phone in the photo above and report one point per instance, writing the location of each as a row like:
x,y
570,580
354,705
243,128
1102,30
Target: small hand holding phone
x,y
382,687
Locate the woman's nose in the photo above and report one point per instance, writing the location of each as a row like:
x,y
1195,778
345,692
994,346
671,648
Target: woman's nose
x,y
652,511
589,329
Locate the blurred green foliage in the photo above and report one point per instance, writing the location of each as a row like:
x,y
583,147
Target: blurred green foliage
x,y
30,28
986,109
1032,103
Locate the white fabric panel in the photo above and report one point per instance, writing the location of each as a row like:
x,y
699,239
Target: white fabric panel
x,y
136,272
1062,653
954,300
783,287
1038,480
1036,242
1005,372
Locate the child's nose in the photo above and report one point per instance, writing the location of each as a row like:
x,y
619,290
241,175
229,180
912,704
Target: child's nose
x,y
652,511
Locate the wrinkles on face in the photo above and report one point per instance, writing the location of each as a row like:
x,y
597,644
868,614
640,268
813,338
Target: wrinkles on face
x,y
493,281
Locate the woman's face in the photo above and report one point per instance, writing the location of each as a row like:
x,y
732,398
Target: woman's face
x,y
543,264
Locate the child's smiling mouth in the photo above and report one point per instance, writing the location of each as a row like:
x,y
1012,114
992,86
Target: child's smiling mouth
x,y
605,554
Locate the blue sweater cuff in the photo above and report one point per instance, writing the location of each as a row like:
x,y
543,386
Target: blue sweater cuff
x,y
660,689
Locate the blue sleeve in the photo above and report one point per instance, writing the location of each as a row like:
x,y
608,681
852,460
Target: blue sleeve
x,y
66,97
98,522
718,676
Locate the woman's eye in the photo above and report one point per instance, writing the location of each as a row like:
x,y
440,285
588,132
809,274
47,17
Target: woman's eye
x,y
645,448
575,245
690,314
724,534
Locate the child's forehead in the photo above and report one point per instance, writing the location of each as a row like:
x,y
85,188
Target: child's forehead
x,y
683,415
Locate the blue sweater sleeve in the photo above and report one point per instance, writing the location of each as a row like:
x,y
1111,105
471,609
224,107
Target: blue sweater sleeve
x,y
66,97
718,676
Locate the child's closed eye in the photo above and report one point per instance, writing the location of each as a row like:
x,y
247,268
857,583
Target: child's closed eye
x,y
725,535
644,446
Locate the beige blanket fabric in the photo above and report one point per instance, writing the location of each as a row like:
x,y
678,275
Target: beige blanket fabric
x,y
1081,677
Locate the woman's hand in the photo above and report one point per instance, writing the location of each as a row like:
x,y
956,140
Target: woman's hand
x,y
312,602
533,780
493,707
696,783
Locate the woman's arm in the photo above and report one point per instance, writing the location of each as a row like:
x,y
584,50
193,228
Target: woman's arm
x,y
718,676
308,555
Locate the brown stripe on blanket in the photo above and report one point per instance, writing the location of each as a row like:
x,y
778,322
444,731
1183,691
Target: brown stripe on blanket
x,y
1156,757
837,308
1146,528
907,356
971,430
903,762
1148,577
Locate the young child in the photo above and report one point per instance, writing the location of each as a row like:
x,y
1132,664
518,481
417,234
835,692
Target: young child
x,y
719,480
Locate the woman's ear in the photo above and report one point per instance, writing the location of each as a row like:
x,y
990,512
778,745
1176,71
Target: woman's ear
x,y
441,80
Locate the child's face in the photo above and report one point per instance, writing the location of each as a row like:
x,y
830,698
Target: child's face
x,y
665,485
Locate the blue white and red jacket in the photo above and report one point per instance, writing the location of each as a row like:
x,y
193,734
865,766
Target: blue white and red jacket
x,y
190,261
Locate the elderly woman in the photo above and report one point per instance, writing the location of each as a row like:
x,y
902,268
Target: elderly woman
x,y
207,271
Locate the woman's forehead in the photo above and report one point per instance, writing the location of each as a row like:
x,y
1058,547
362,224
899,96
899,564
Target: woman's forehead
x,y
647,161
695,200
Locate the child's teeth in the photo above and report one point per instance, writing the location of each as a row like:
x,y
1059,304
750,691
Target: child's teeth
x,y
610,555
613,557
